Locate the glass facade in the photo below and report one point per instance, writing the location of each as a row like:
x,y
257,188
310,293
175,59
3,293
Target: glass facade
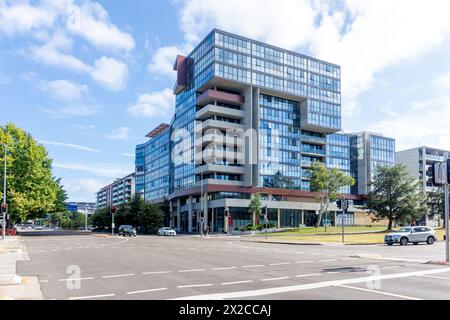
x,y
339,155
140,168
382,151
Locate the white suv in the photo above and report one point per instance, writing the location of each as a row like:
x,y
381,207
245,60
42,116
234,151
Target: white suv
x,y
411,234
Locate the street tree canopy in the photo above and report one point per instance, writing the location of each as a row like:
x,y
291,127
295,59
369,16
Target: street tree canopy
x,y
327,182
396,196
32,190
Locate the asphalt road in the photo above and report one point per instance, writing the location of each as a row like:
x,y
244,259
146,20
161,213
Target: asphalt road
x,y
146,267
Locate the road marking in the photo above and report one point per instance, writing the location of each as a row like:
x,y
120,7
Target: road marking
x,y
55,249
192,270
43,281
195,285
308,261
223,268
310,286
275,279
344,259
334,272
77,279
93,297
436,277
156,272
235,282
279,264
379,292
254,266
118,275
328,260
40,251
148,290
390,267
307,275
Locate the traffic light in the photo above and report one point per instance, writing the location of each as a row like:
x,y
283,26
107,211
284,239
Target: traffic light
x,y
438,170
448,171
113,209
4,208
339,203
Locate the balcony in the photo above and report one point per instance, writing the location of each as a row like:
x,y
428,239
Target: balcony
x,y
223,125
214,95
434,158
218,138
313,139
314,152
211,110
211,168
213,155
222,182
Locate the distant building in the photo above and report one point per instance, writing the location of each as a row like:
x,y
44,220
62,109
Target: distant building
x,y
117,193
419,161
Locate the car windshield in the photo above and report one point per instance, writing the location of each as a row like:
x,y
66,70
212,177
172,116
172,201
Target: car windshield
x,y
405,230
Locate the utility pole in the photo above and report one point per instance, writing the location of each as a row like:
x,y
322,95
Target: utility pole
x,y
266,218
344,211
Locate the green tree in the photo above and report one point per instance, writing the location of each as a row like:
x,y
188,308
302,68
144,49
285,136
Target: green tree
x,y
436,203
150,219
31,189
395,196
101,218
255,207
327,182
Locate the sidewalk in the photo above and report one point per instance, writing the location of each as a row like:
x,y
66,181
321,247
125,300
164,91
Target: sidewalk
x,y
12,286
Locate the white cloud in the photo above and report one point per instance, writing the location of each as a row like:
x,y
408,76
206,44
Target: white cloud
x,y
72,110
102,170
363,36
91,21
78,188
110,73
70,146
64,89
155,104
129,155
21,18
163,60
118,134
424,123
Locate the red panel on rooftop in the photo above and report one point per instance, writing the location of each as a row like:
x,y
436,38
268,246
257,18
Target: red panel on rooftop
x,y
157,130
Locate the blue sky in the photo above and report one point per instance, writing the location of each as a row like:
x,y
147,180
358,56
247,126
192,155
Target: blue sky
x,y
89,79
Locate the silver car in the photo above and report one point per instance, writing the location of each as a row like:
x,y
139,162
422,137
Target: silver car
x,y
411,234
166,231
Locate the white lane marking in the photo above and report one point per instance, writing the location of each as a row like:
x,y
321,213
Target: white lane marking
x,y
118,275
275,279
148,290
55,249
279,264
191,270
235,282
77,279
43,281
345,259
308,261
156,272
223,268
254,266
379,292
436,277
334,272
390,267
307,275
93,297
40,251
309,286
328,260
195,285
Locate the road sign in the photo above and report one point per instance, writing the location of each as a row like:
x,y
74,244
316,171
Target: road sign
x,y
439,171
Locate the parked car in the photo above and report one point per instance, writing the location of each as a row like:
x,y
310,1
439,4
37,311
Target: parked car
x,y
127,230
166,231
411,235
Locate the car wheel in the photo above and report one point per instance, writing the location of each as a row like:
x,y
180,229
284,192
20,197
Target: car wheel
x,y
403,241
415,243
390,243
430,240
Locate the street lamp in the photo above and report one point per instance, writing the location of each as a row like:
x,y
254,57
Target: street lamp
x,y
266,218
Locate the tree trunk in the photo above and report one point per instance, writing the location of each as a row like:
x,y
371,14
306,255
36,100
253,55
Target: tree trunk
x,y
320,213
389,228
254,218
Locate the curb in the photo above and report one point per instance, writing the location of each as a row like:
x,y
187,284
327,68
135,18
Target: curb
x,y
288,243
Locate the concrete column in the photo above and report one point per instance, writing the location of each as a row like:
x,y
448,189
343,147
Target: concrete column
x,y
303,217
190,215
335,217
171,214
205,206
212,219
178,215
278,218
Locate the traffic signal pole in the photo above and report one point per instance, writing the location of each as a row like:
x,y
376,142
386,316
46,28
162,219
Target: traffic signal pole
x,y
446,213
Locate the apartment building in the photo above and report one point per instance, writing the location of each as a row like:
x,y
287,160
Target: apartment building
x,y
117,193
